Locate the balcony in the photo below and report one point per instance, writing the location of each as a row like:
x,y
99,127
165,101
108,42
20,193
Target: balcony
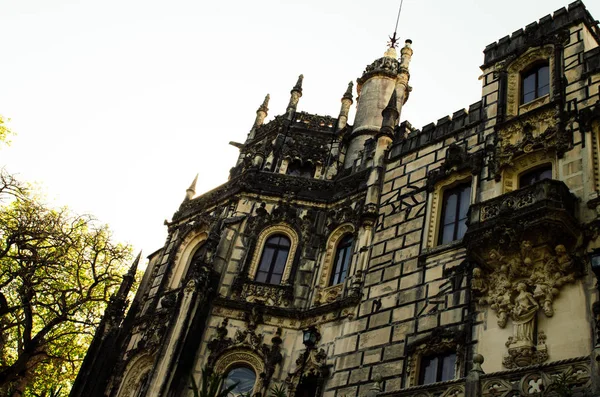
x,y
542,211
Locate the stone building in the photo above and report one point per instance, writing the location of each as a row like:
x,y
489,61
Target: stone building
x,y
375,258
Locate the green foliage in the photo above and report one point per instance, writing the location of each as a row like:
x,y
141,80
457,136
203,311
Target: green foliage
x,y
57,272
211,385
278,391
5,132
52,392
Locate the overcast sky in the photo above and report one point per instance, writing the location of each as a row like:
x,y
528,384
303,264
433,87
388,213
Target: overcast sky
x,y
117,104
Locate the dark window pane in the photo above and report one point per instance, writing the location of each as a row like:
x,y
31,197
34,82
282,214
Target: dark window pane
x,y
261,277
343,255
454,213
543,83
266,259
427,373
529,87
461,229
447,234
450,201
280,262
273,259
275,279
448,363
465,201
528,97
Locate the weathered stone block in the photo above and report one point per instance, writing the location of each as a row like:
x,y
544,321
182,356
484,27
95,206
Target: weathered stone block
x,y
375,338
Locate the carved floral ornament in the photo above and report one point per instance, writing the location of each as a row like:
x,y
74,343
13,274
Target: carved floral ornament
x,y
518,285
525,135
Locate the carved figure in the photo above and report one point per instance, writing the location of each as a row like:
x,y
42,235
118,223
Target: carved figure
x,y
478,284
523,316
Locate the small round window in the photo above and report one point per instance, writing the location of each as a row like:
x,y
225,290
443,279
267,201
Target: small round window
x,y
244,379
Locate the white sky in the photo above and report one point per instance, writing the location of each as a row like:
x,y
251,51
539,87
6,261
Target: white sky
x,y
117,104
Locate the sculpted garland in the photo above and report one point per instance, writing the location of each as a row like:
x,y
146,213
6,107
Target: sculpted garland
x,y
517,286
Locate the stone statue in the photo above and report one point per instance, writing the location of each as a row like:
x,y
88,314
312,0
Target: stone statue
x,y
523,316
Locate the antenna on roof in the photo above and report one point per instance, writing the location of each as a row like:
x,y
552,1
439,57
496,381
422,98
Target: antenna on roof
x,y
393,39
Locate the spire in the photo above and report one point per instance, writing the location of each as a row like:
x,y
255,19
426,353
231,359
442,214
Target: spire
x,y
191,191
128,279
390,116
298,86
346,103
296,93
261,114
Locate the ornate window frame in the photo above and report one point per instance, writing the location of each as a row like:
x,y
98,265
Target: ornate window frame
x,y
435,208
326,293
442,343
514,74
184,255
241,358
260,245
134,374
525,163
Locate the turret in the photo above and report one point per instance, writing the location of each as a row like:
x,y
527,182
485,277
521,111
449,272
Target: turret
x,y
375,86
346,103
296,93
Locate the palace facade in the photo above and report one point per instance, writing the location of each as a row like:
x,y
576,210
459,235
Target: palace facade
x,y
378,259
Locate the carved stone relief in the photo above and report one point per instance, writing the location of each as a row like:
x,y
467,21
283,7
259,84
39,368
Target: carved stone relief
x,y
246,347
518,285
538,131
310,363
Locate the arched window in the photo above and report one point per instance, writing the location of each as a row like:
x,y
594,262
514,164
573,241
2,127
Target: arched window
x,y
244,379
535,83
296,168
273,259
198,256
343,254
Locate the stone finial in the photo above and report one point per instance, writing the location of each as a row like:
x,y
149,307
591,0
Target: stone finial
x,y
406,53
264,107
345,109
191,191
477,361
473,384
296,93
348,93
298,86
